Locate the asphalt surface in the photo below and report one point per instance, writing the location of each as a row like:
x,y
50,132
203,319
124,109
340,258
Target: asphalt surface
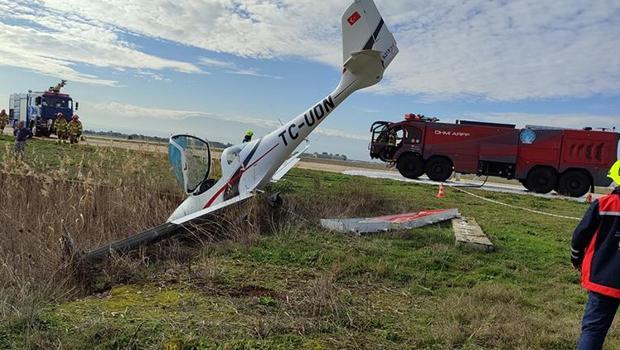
x,y
472,184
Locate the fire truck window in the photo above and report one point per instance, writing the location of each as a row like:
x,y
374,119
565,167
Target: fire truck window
x,y
55,102
415,135
382,136
400,135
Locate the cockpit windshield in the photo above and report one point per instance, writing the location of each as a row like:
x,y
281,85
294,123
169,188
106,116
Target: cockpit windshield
x,y
190,158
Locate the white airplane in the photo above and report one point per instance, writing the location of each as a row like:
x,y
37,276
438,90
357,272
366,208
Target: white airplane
x,y
368,49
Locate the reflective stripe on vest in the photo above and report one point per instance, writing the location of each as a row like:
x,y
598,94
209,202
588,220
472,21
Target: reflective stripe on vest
x,y
609,206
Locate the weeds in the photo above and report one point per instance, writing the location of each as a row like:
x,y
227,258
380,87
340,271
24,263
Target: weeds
x,y
49,214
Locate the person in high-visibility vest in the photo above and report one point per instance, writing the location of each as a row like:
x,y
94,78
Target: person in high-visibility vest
x,y
391,139
595,251
390,148
74,129
60,127
248,136
4,120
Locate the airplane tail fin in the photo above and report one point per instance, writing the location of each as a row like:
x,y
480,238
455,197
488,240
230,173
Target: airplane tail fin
x,y
368,46
363,29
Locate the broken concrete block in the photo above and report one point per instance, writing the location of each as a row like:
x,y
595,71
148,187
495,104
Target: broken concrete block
x,y
469,234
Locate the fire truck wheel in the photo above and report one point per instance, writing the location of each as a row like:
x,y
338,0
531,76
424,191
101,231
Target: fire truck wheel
x,y
439,169
542,180
574,183
410,165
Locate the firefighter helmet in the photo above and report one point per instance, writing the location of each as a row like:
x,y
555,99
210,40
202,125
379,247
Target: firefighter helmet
x,y
614,173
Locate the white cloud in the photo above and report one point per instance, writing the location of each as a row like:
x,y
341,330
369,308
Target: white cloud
x,y
340,134
252,73
500,50
232,68
123,110
131,111
215,63
152,75
507,50
58,41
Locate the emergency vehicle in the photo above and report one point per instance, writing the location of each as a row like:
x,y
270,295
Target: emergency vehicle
x,y
38,110
543,159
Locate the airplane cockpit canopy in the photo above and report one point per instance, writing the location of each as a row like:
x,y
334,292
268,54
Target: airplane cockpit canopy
x,y
190,158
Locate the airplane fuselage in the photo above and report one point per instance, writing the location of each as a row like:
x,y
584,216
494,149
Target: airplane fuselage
x,y
249,167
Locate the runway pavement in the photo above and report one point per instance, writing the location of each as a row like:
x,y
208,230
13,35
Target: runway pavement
x,y
489,186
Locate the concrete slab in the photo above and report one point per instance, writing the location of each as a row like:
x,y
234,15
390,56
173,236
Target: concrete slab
x,y
468,234
406,221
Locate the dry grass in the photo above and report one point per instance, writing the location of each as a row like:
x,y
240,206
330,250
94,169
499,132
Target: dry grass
x,y
47,217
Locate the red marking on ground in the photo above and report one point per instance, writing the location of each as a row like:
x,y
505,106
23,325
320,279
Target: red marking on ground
x,y
401,218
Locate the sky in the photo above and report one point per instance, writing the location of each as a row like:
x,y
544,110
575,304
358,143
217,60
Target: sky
x,y
216,68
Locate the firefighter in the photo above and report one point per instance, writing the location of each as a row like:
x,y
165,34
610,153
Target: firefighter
x,y
4,120
21,135
595,251
391,144
74,129
60,126
248,136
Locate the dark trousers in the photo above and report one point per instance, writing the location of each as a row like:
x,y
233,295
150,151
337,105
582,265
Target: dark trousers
x,y
599,314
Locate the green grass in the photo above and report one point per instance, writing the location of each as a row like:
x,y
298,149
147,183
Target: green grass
x,y
303,287
75,162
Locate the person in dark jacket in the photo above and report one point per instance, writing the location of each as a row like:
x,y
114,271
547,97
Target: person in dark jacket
x,y
4,120
21,135
595,251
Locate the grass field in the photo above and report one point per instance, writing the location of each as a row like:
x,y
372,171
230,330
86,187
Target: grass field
x,y
275,280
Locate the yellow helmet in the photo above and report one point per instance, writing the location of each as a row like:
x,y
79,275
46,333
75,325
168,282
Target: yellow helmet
x,y
249,133
614,173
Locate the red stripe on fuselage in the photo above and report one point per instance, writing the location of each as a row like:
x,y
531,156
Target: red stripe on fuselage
x,y
236,178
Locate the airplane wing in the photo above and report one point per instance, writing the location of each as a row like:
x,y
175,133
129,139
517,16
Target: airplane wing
x,y
238,199
156,234
288,164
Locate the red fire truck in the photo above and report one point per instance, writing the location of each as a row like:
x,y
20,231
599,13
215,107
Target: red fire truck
x,y
543,159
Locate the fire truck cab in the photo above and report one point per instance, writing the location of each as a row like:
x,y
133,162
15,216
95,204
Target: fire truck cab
x,y
38,110
543,159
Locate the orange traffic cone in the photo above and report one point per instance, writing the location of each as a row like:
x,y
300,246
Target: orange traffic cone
x,y
589,198
442,192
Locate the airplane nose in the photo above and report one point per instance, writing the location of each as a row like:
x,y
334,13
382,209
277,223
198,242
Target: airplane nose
x,y
178,213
